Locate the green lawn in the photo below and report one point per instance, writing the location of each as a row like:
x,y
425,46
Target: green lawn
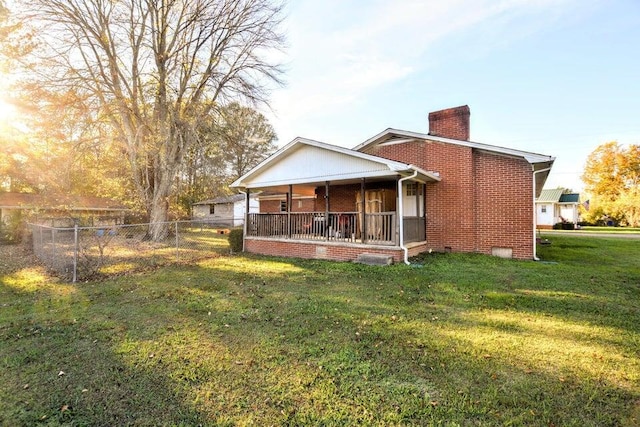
x,y
632,230
245,340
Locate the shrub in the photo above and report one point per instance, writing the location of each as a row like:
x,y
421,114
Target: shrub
x,y
235,239
13,228
564,226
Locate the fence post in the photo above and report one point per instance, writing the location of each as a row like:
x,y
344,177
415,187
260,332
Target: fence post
x,y
53,246
75,253
177,250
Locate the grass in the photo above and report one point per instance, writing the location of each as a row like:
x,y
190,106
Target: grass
x,y
624,230
245,340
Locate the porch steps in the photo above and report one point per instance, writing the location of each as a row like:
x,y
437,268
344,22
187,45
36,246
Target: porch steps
x,y
374,259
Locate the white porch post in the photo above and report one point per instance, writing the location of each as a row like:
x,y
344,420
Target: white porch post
x,y
327,207
364,211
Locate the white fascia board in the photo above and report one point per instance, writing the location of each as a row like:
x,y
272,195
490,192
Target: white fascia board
x,y
238,182
321,179
393,166
532,158
272,158
432,176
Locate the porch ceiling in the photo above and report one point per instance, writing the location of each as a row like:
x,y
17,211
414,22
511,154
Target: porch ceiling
x,y
310,163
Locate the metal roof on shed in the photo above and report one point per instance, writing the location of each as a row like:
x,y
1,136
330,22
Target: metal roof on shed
x,y
550,196
557,195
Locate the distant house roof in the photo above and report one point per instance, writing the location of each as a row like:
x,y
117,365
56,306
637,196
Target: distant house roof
x,y
550,196
556,195
570,198
59,202
223,200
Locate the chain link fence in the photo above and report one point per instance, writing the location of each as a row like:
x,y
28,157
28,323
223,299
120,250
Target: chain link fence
x,y
80,253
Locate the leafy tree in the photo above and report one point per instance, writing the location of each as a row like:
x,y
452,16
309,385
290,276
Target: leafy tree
x,y
152,70
612,178
229,144
246,138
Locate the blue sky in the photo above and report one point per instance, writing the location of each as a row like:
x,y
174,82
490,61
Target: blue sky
x,y
557,77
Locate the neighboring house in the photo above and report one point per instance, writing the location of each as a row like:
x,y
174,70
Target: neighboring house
x,y
397,194
554,206
61,210
225,211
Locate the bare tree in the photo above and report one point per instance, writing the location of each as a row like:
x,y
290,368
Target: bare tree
x,y
153,68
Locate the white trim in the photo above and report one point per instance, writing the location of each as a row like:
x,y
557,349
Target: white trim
x,y
408,135
393,167
400,209
535,212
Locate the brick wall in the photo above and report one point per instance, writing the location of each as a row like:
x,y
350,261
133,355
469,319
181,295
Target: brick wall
x,y
451,123
299,205
483,200
316,250
504,204
343,197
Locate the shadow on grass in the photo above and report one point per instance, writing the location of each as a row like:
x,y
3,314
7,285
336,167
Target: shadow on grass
x,y
255,340
61,365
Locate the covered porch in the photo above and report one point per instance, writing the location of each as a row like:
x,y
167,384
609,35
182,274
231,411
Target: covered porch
x,y
322,201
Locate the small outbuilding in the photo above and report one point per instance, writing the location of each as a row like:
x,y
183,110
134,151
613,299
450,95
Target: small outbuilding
x,y
555,206
226,211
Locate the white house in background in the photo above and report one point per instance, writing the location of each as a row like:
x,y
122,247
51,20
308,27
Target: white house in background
x,y
552,207
225,211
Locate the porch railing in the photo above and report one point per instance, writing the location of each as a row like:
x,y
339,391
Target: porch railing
x,y
414,229
381,228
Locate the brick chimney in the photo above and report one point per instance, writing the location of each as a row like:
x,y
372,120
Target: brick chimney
x,y
450,123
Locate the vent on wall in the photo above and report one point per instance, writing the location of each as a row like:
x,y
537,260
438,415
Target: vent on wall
x,y
502,252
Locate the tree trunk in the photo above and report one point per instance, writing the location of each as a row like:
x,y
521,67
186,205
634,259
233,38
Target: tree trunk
x,y
159,209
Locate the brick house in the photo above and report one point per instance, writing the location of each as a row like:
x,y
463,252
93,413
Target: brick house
x,y
399,193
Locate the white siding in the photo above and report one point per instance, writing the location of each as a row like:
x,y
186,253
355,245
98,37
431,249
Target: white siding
x,y
230,214
545,218
569,213
239,210
308,164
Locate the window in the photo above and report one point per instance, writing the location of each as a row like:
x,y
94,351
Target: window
x,y
212,209
543,209
412,187
283,205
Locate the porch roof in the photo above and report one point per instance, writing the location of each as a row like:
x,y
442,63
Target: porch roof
x,y
309,162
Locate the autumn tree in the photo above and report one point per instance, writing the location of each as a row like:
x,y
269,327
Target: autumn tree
x,y
612,179
152,69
